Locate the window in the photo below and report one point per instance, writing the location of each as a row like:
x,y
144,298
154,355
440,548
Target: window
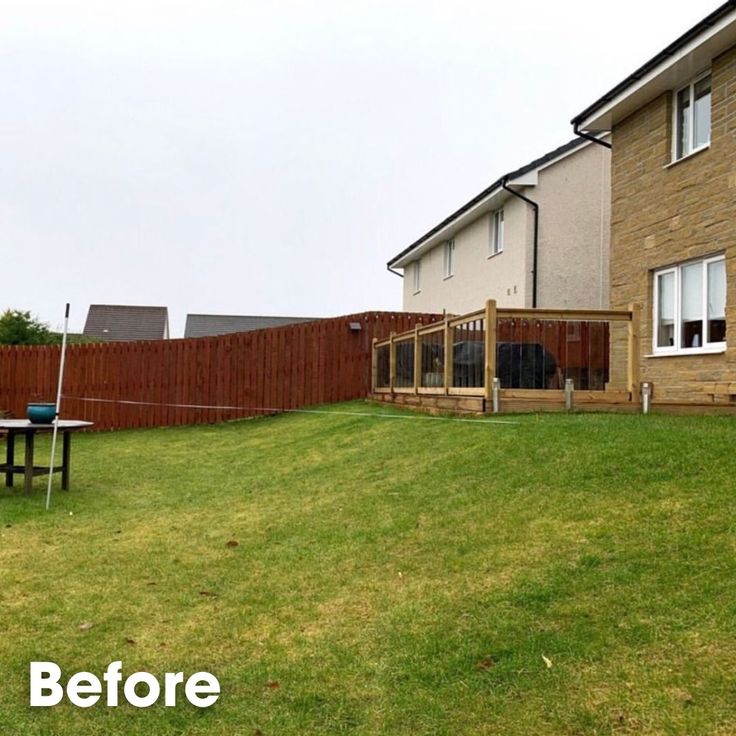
x,y
496,232
692,117
690,306
449,258
417,276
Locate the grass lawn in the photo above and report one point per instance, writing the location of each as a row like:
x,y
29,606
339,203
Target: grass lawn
x,y
390,577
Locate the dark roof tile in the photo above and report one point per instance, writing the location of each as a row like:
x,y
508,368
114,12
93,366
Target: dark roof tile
x,y
209,325
122,323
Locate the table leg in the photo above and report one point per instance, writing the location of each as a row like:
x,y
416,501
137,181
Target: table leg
x,y
66,454
10,459
28,486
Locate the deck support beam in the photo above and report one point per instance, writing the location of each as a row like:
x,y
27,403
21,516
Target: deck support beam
x,y
449,355
490,348
634,361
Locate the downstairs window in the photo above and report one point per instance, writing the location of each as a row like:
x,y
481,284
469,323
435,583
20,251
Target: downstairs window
x,y
690,307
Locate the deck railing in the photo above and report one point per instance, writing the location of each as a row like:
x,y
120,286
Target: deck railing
x,y
528,350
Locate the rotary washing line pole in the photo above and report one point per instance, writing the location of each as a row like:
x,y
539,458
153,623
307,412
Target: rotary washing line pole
x,y
58,407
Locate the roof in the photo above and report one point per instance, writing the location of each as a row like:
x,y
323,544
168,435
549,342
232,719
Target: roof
x,y
712,35
120,323
209,325
487,193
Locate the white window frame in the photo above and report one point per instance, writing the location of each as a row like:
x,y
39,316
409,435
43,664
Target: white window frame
x,y
691,113
449,259
417,276
677,349
496,240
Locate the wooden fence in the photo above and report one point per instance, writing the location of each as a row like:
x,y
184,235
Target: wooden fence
x,y
168,381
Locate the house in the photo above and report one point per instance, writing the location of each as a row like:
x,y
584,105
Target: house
x,y
123,323
673,225
537,237
207,325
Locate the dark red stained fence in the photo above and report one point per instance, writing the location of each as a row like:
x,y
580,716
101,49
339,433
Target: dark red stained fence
x,y
281,368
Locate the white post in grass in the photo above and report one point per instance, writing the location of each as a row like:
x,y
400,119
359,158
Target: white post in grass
x,y
646,397
569,391
58,407
496,395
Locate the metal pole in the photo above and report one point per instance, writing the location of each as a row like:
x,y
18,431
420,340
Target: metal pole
x,y
569,390
58,406
646,397
496,395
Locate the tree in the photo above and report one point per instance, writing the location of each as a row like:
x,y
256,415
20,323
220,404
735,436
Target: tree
x,y
20,328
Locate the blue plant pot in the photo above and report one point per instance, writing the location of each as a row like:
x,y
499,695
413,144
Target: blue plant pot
x,y
41,413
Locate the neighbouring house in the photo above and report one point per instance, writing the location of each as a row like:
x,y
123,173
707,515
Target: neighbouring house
x,y
209,325
123,323
673,241
537,237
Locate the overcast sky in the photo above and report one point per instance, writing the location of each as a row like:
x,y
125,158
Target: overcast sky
x,y
269,158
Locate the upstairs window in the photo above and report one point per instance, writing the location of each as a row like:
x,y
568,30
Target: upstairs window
x,y
417,276
496,245
449,258
692,117
690,307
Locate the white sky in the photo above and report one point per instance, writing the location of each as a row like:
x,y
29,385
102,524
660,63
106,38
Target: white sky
x,y
241,157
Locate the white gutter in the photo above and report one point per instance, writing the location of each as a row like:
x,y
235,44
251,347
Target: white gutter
x,y
683,65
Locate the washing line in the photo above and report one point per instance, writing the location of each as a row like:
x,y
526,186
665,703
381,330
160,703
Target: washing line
x,y
272,410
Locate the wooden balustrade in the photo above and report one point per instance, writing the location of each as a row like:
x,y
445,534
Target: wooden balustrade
x,y
532,352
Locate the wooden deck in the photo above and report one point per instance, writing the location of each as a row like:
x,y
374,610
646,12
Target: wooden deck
x,y
513,360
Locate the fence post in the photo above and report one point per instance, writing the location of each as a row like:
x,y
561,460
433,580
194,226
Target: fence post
x,y
417,358
633,354
374,365
448,355
490,349
391,362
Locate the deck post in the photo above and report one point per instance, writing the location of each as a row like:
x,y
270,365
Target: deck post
x,y
633,352
392,361
490,349
448,355
374,365
417,359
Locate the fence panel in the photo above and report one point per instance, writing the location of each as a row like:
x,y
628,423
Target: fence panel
x,y
432,346
279,368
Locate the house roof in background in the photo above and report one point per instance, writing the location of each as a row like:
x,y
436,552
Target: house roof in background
x,y
209,325
674,65
122,323
400,260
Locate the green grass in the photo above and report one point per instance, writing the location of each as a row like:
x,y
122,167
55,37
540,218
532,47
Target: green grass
x,y
391,577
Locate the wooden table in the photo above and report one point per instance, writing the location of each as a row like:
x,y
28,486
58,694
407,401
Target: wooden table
x,y
14,427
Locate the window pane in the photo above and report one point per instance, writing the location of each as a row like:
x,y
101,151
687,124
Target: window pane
x,y
692,305
717,301
701,113
683,122
666,310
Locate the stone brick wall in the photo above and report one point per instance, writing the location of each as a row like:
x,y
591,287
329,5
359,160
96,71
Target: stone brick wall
x,y
663,214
